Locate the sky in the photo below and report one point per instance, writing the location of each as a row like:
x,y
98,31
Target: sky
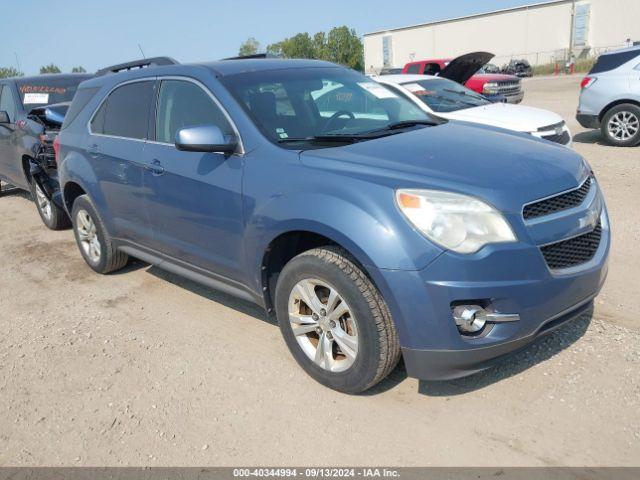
x,y
94,34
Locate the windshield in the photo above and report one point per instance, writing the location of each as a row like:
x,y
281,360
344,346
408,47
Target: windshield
x,y
442,95
298,105
39,92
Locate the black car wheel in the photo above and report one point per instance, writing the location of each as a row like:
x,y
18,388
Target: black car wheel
x,y
93,239
334,321
52,215
621,125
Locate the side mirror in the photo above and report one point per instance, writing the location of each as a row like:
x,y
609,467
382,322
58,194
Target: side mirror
x,y
4,117
205,138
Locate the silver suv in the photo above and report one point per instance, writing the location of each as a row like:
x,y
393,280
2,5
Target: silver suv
x,y
610,97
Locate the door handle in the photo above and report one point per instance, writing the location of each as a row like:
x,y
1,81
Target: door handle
x,y
93,150
154,167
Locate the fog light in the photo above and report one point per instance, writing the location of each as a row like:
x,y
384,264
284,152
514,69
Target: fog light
x,y
469,318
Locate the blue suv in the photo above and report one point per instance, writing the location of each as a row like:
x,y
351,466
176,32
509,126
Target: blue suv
x,y
368,228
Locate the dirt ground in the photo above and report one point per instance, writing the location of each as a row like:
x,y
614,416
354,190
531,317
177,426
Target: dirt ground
x,y
145,368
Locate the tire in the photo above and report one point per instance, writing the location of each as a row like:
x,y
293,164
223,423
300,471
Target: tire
x,y
365,330
621,125
93,239
54,217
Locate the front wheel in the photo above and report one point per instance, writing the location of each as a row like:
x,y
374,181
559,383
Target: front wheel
x,y
335,322
621,125
54,217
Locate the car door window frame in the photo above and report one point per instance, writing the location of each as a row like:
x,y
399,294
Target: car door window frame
x,y
106,98
159,79
13,114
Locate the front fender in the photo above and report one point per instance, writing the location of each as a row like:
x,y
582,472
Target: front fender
x,y
378,238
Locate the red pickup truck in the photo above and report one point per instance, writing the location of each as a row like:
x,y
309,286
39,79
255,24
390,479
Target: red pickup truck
x,y
465,69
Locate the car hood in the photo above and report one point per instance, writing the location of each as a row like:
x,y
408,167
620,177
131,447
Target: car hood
x,y
507,169
505,115
462,68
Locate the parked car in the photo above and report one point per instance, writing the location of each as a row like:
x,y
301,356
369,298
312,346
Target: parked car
x,y
519,68
610,97
449,100
31,112
368,227
464,70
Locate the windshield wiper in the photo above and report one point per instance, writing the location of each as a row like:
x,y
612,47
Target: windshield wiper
x,y
323,139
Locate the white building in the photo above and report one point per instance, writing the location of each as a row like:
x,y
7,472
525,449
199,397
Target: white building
x,y
541,33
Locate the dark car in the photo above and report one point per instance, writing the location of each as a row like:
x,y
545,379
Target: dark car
x,y
32,110
368,227
519,68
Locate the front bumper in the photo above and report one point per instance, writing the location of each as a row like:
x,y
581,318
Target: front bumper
x,y
516,98
509,279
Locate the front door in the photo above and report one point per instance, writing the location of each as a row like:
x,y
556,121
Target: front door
x,y
194,200
10,165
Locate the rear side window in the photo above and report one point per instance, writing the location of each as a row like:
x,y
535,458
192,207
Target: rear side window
x,y
184,104
80,100
415,68
610,62
125,112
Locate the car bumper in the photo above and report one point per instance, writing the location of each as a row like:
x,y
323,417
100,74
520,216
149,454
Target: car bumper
x,y
588,121
507,279
516,98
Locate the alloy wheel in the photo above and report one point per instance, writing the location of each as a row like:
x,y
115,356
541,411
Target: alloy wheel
x,y
88,236
44,204
323,324
623,126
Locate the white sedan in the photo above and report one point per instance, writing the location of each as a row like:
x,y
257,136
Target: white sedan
x,y
447,99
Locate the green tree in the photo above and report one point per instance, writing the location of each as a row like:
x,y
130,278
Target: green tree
x,y
341,45
78,70
7,72
251,46
51,68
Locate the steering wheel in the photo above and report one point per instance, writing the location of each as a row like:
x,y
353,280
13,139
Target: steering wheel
x,y
335,116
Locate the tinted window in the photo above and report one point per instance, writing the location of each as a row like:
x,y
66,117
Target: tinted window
x,y
415,68
610,62
80,101
432,69
39,92
125,113
7,103
184,104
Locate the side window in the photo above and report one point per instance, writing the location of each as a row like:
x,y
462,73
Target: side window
x,y
432,69
7,103
415,68
125,113
184,104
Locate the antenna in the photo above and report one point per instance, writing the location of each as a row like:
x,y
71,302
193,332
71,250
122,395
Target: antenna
x,y
143,55
17,61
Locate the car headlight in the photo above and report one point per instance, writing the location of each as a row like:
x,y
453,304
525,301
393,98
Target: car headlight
x,y
454,221
490,88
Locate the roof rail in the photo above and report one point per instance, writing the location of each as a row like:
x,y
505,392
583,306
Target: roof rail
x,y
143,63
254,56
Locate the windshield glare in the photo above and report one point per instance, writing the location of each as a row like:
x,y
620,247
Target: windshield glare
x,y
443,96
40,92
305,103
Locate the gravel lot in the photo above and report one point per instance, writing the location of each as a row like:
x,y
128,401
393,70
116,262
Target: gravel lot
x,y
145,368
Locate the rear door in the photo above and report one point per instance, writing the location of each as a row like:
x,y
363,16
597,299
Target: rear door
x,y
119,131
10,166
194,199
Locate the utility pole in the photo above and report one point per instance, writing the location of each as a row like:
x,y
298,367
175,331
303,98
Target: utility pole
x,y
573,22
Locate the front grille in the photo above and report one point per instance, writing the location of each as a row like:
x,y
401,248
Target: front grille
x,y
562,139
552,127
509,88
572,252
564,201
